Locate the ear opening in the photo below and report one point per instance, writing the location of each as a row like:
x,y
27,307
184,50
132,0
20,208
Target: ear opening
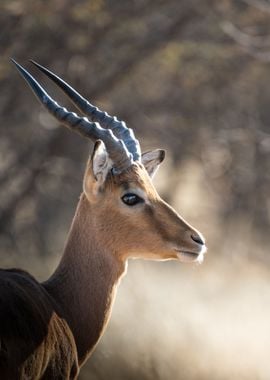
x,y
97,170
101,163
152,159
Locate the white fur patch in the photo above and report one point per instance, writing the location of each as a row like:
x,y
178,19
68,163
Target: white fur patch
x,y
101,163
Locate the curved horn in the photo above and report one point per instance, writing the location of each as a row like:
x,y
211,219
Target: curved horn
x,y
119,128
115,147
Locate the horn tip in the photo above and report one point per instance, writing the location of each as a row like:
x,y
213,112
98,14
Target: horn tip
x,y
18,66
34,62
13,61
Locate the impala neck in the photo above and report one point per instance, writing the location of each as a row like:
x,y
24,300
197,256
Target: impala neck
x,y
85,281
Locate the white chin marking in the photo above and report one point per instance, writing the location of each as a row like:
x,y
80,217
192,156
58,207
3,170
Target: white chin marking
x,y
187,257
200,258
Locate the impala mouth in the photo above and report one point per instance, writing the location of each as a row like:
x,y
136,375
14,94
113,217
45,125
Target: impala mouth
x,y
189,256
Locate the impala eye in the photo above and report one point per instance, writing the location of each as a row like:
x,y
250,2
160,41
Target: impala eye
x,y
131,199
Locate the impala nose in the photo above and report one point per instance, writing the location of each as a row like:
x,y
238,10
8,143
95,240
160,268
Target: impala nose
x,y
199,239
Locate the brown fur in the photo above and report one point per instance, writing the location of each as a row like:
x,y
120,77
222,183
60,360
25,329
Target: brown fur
x,y
48,330
34,337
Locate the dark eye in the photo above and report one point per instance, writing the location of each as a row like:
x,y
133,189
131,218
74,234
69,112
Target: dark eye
x,y
131,199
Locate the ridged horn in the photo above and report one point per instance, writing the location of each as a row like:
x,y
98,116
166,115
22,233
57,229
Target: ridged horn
x,y
116,148
118,127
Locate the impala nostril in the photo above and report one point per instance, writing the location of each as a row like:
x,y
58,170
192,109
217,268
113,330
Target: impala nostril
x,y
198,239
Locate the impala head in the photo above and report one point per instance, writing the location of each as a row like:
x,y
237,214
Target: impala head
x,y
129,214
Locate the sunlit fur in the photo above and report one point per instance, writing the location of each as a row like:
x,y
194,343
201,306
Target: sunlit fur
x,y
49,330
152,229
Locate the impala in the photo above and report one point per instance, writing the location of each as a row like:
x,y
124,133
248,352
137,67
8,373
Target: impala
x,y
48,330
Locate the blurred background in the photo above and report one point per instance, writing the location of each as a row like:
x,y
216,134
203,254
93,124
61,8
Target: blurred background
x,y
191,77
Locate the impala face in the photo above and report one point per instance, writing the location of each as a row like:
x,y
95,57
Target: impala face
x,y
118,184
129,206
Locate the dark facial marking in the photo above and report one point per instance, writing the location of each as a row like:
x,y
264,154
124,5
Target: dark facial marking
x,y
158,225
125,186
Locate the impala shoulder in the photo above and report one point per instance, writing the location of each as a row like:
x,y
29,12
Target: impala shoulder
x,y
24,307
31,330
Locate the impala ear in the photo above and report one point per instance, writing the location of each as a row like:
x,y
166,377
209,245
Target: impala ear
x,y
101,163
151,160
97,170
